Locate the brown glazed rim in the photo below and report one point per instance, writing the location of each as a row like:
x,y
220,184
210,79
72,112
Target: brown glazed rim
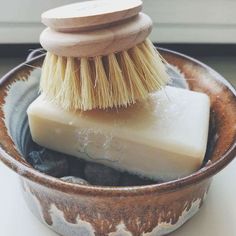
x,y
208,171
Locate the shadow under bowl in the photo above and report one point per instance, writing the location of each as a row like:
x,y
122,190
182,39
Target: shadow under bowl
x,y
157,209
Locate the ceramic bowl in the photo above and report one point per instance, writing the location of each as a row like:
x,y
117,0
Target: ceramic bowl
x,y
157,209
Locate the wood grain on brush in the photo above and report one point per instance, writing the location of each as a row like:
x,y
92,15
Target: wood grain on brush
x,y
90,15
98,42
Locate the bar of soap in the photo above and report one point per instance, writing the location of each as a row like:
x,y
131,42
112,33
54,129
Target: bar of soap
x,y
162,138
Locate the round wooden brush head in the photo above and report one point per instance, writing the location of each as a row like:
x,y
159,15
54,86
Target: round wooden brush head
x,y
95,28
90,14
98,42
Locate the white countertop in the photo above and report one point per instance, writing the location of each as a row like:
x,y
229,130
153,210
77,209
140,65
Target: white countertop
x,y
216,218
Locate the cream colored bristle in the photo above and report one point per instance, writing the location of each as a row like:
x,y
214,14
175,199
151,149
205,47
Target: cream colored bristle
x,y
48,72
59,75
151,48
87,86
144,67
51,74
115,80
45,72
70,93
136,87
101,85
157,62
117,83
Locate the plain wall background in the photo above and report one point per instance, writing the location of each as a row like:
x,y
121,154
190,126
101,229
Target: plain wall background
x,y
175,21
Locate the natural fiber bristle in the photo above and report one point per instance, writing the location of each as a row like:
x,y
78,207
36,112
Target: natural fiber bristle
x,y
102,82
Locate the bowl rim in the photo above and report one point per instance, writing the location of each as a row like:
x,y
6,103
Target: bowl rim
x,y
206,172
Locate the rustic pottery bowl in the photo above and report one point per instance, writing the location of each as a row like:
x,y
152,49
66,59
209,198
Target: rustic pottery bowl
x,y
88,210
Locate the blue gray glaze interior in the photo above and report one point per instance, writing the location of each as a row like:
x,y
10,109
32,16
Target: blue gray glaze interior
x,y
19,96
23,92
176,78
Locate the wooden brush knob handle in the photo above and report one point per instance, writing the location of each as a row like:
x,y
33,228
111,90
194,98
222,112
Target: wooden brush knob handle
x,y
98,42
90,14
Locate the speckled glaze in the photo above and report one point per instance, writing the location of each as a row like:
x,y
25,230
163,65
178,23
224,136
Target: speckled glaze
x,y
102,211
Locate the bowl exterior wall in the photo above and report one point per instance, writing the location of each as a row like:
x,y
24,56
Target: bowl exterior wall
x,y
150,215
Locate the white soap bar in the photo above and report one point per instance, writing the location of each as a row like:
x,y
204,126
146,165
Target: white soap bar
x,y
164,137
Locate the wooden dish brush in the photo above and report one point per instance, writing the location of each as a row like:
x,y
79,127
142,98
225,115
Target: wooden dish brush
x,y
98,55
